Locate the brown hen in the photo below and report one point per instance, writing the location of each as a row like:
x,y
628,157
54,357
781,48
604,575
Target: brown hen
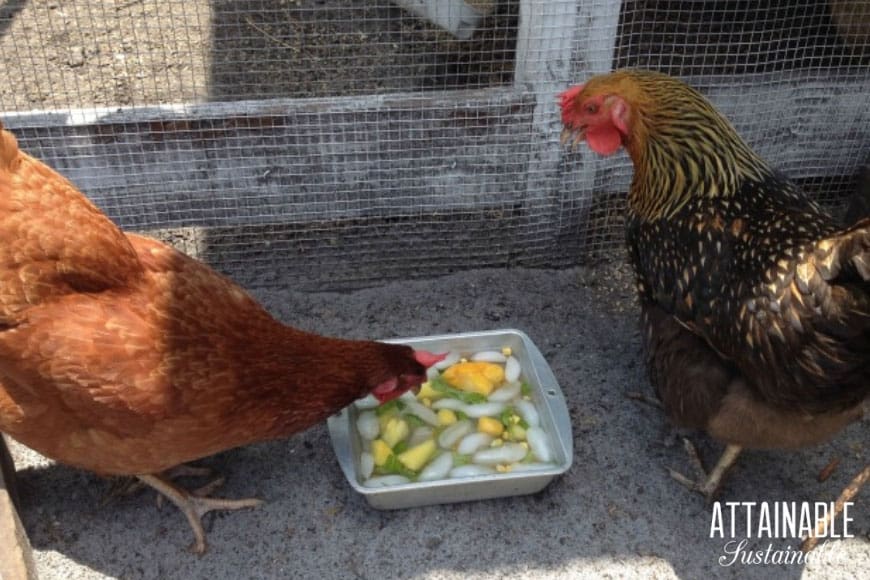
x,y
124,357
755,304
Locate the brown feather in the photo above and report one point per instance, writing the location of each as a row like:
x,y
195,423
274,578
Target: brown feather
x,y
121,355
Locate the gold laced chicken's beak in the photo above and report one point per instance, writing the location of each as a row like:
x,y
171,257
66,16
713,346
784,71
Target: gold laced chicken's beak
x,y
573,135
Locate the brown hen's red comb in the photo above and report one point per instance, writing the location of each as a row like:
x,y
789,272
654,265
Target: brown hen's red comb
x,y
427,359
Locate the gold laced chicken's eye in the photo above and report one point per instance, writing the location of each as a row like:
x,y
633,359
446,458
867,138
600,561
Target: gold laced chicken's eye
x,y
591,108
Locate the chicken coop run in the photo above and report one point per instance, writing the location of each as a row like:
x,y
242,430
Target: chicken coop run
x,y
341,142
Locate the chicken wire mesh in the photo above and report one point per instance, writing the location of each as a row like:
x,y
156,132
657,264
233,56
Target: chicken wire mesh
x,y
341,142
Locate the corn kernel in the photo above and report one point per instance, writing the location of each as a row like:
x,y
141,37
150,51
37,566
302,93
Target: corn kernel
x,y
490,426
463,360
501,468
507,351
497,443
446,417
427,401
524,444
515,419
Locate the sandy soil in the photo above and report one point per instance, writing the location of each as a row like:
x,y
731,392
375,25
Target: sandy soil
x,y
80,53
615,514
138,52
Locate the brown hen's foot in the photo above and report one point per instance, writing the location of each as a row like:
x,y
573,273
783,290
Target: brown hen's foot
x,y
125,486
194,506
706,484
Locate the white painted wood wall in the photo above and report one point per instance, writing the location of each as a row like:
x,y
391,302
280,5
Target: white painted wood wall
x,y
559,43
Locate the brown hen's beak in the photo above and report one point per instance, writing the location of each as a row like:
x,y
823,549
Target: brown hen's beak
x,y
427,359
396,386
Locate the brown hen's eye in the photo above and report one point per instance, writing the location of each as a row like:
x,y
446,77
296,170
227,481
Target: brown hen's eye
x,y
591,108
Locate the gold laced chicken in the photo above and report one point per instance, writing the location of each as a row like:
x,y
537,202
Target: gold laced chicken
x,y
755,304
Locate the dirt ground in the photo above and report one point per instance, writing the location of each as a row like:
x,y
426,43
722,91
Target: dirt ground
x,y
615,514
139,52
108,53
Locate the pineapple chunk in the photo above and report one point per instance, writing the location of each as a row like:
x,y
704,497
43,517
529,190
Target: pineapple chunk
x,y
384,419
475,377
380,451
427,392
490,426
446,417
416,457
396,430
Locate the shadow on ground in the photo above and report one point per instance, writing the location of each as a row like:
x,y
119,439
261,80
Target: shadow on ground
x,y
616,512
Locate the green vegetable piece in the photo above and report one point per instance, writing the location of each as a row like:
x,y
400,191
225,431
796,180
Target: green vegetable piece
x,y
460,415
388,407
460,460
394,467
400,447
525,389
442,387
505,417
473,398
414,420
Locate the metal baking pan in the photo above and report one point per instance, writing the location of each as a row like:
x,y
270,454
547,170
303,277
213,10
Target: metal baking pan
x,y
546,395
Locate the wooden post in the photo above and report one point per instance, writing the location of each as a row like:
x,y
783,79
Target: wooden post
x,y
16,560
560,43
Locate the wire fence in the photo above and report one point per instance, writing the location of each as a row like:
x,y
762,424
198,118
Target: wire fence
x,y
341,142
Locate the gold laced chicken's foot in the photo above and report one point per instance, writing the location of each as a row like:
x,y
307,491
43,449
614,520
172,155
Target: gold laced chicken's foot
x,y
706,484
642,398
194,504
846,496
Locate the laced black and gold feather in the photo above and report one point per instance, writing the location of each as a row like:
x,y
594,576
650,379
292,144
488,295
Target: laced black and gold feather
x,y
739,255
688,149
